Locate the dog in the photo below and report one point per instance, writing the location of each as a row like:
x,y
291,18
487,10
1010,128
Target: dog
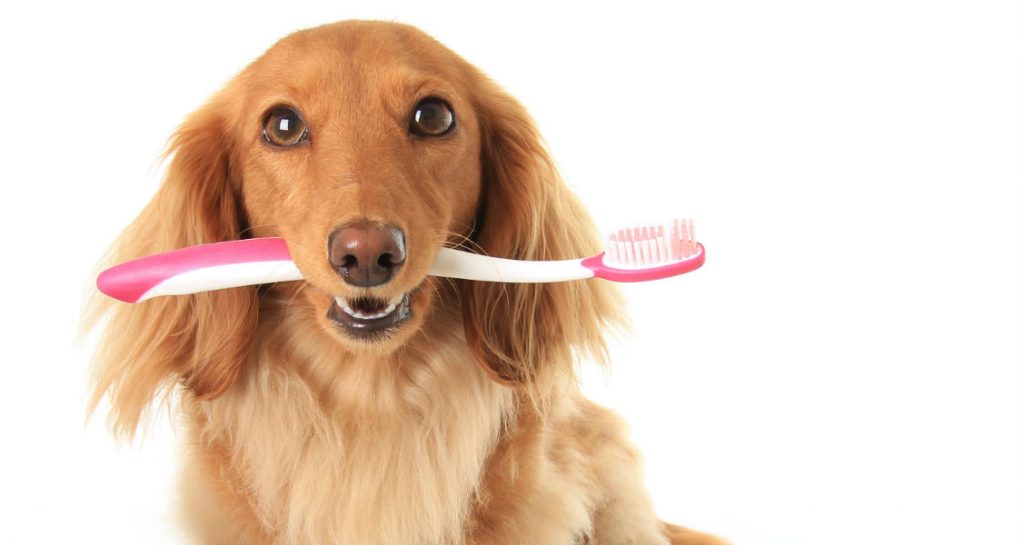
x,y
371,403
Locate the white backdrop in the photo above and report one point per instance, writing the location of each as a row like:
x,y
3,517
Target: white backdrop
x,y
844,370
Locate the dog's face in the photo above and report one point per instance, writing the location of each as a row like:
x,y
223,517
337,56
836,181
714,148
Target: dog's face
x,y
360,147
367,146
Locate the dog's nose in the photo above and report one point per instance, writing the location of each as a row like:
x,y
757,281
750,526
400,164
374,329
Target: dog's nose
x,y
365,254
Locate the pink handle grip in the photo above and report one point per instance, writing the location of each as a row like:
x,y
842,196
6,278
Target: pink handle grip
x,y
601,270
130,280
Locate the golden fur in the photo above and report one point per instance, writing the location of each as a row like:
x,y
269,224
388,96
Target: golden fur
x,y
466,427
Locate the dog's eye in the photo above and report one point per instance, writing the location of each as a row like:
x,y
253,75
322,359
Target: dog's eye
x,y
284,127
431,117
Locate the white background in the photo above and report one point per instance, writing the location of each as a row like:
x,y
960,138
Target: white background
x,y
844,370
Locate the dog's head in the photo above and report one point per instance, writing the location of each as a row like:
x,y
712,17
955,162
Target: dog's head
x,y
367,147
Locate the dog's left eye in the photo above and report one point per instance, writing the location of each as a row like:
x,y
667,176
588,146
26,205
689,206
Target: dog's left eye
x,y
431,117
284,126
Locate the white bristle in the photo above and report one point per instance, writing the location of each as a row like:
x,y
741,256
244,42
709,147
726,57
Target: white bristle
x,y
651,245
662,244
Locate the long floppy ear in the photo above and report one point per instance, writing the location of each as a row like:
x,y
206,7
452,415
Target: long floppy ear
x,y
522,333
198,340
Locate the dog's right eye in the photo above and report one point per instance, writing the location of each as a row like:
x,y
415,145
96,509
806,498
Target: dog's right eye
x,y
284,127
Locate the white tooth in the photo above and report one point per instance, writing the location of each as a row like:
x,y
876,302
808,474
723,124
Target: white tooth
x,y
392,305
344,306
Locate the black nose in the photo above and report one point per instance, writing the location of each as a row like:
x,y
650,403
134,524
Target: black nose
x,y
365,254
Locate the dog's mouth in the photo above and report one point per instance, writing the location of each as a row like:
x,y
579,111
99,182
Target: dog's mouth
x,y
370,318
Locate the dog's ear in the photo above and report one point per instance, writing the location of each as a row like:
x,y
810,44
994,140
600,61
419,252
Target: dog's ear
x,y
198,340
523,332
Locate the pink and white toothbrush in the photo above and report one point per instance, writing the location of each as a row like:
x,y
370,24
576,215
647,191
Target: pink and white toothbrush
x,y
635,254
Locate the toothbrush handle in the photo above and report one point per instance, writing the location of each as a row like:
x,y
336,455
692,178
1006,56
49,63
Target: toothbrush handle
x,y
457,264
200,268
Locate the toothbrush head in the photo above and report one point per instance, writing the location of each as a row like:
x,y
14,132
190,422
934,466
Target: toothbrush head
x,y
649,252
652,245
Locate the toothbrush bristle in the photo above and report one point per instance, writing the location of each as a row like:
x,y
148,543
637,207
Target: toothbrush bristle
x,y
651,245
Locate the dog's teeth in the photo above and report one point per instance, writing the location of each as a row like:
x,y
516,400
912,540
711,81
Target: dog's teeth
x,y
344,306
392,305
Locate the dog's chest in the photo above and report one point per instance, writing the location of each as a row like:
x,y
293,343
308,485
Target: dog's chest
x,y
315,476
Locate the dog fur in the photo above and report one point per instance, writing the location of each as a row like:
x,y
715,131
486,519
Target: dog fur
x,y
465,425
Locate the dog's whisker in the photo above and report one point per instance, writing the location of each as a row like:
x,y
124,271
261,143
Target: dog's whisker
x,y
298,290
462,242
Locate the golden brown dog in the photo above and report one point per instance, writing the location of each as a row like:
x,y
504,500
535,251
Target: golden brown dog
x,y
373,404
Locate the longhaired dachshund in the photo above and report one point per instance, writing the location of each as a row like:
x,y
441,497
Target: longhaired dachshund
x,y
373,404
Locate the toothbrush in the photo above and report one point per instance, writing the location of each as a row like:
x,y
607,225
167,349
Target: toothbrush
x,y
634,254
